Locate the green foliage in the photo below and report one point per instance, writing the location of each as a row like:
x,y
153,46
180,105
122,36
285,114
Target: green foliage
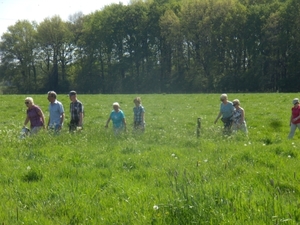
x,y
165,176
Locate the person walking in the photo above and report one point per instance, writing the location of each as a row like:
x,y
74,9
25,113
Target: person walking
x,y
35,115
118,118
226,111
56,112
238,118
295,118
138,115
76,111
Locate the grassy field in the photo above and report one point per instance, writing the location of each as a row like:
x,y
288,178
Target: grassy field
x,y
165,176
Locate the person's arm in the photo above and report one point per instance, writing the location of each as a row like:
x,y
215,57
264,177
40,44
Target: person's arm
x,y
48,118
48,122
107,122
219,115
80,119
26,121
62,118
80,115
124,123
143,117
242,116
41,114
62,115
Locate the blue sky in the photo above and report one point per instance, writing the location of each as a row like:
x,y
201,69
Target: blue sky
x,y
37,10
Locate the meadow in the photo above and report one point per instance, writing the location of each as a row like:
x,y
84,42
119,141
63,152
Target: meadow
x,y
166,176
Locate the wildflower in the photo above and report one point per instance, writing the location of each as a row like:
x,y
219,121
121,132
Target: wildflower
x,y
155,207
173,155
28,168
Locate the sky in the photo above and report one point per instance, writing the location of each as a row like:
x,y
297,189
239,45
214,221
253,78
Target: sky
x,y
37,10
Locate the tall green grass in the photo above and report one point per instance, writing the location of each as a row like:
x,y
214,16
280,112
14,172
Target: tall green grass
x,y
165,176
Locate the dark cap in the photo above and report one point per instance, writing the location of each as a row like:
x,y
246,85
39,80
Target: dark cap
x,y
72,93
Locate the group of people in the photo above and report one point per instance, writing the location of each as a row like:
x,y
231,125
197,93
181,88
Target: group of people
x,y
232,115
36,117
117,116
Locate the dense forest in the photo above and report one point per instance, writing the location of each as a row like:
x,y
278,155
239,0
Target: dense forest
x,y
158,46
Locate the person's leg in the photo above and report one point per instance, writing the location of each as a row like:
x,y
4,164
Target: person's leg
x,y
57,128
139,126
292,130
135,125
142,126
234,127
243,127
227,126
35,130
117,131
297,125
73,125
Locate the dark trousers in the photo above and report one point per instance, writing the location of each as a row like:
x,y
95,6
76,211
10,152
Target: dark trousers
x,y
227,125
139,126
73,125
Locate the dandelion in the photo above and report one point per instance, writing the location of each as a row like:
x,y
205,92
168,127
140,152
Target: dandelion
x,y
155,207
289,156
173,155
205,160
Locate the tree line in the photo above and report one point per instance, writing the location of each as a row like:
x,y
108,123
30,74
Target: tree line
x,y
158,46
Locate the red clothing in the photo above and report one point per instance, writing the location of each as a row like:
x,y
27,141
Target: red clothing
x,y
296,113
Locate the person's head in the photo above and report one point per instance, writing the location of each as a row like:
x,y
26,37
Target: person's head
x,y
137,101
236,102
29,102
223,98
116,106
72,95
295,101
51,96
